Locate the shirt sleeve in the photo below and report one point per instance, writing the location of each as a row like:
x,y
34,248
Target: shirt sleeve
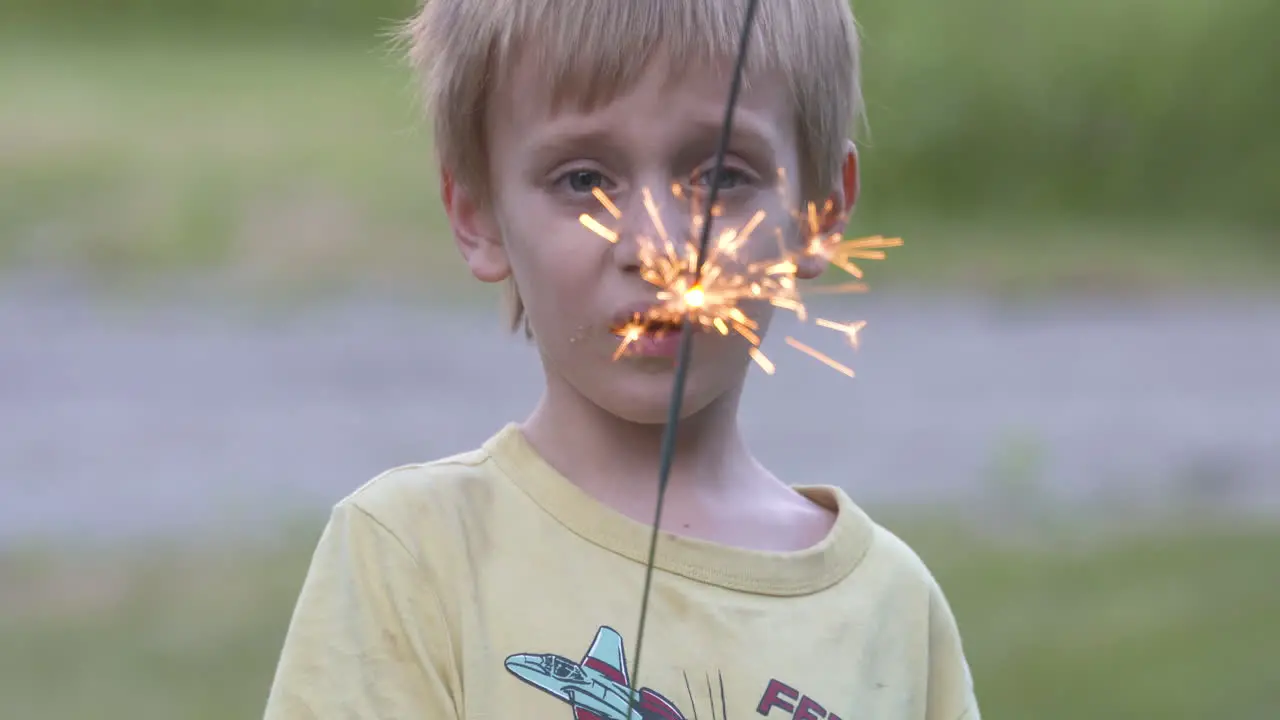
x,y
368,639
951,693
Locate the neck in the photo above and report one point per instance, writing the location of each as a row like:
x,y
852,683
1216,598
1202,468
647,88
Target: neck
x,y
618,461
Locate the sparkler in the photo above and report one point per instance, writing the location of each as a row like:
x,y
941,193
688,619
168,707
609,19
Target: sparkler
x,y
696,287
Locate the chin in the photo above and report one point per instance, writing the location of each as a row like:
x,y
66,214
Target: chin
x,y
646,399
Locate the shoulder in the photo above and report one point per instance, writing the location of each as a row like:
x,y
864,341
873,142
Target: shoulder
x,y
432,508
896,563
907,590
905,570
421,485
889,548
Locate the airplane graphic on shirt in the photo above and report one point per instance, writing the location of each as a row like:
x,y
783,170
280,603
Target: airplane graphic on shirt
x,y
597,687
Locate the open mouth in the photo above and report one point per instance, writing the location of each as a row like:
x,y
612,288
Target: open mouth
x,y
646,325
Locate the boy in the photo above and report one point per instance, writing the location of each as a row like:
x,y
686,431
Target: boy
x,y
505,582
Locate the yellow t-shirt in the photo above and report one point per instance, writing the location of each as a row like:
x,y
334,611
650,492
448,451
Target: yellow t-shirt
x,y
486,585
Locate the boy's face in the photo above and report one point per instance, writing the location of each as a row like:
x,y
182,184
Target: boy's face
x,y
577,287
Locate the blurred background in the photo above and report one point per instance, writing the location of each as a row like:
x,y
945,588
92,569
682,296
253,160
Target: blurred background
x,y
227,298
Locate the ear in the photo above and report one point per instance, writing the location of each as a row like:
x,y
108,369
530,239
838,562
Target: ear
x,y
841,203
475,230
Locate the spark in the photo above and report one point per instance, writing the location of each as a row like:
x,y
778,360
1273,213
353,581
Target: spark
x,y
820,357
731,279
849,330
598,229
604,200
632,334
695,297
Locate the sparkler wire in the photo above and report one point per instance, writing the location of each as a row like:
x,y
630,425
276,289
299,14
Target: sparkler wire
x,y
667,452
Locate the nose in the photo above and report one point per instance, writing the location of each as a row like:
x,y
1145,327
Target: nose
x,y
626,251
650,219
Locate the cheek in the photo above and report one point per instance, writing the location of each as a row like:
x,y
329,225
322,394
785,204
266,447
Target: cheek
x,y
775,238
557,274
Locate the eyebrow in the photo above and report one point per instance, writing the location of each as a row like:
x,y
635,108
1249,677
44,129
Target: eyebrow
x,y
557,144
750,138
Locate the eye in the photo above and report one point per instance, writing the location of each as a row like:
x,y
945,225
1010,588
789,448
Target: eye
x,y
583,180
728,179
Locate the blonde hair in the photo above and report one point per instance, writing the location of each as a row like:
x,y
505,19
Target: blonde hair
x,y
594,50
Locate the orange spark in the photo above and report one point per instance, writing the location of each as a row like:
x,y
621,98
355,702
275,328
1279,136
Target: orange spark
x,y
819,356
764,362
628,335
594,226
607,203
849,330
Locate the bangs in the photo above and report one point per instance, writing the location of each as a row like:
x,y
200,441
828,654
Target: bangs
x,y
590,52
593,51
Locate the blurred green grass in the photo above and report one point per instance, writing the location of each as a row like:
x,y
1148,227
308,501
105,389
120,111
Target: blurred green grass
x,y
1080,109
1171,620
293,161
257,160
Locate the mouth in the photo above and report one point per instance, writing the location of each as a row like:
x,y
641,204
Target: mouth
x,y
647,332
647,323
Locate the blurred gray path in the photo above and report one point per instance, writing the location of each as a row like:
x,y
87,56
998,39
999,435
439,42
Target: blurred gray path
x,y
116,422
